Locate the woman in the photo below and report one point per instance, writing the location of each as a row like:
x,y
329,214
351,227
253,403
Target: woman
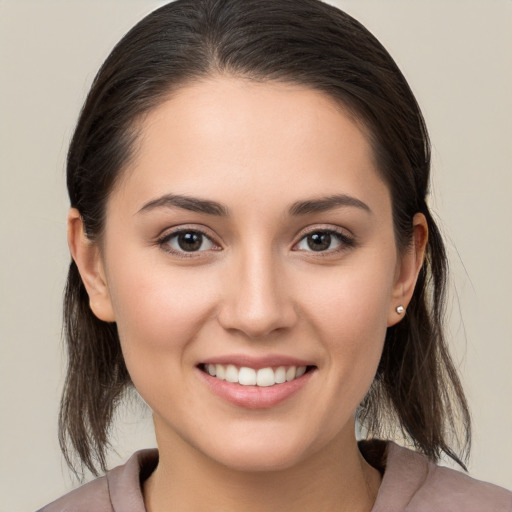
x,y
253,252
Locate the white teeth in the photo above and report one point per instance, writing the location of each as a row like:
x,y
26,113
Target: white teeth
x,y
220,371
263,377
301,370
247,376
280,375
231,373
290,373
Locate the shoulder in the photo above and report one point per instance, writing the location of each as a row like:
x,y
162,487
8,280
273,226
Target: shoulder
x,y
91,496
447,489
412,483
118,491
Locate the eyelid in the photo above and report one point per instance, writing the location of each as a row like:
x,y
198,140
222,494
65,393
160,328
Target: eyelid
x,y
313,228
346,239
168,234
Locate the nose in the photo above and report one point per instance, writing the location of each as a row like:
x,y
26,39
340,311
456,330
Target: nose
x,y
257,301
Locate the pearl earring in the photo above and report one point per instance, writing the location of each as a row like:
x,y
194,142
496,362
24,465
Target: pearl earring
x,y
400,309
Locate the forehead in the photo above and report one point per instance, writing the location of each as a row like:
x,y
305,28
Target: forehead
x,y
230,137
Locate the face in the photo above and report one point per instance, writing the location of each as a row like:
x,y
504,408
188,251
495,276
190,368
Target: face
x,y
250,242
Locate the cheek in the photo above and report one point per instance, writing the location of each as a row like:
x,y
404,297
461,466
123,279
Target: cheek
x,y
349,312
353,301
158,312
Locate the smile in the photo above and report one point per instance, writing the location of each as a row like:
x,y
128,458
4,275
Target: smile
x,y
263,377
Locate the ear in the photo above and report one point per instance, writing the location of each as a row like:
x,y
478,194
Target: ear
x,y
87,257
408,269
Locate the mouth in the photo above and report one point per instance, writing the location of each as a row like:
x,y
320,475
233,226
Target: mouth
x,y
261,377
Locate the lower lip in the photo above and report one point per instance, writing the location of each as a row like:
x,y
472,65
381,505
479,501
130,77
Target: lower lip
x,y
255,397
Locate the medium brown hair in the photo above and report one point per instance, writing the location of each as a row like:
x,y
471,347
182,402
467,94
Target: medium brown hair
x,y
416,393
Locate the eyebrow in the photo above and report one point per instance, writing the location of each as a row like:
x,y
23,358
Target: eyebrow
x,y
323,204
193,204
305,207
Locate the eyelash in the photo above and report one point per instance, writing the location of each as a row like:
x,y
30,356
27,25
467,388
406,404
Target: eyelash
x,y
346,242
164,241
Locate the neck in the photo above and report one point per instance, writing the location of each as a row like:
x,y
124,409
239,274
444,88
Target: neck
x,y
337,479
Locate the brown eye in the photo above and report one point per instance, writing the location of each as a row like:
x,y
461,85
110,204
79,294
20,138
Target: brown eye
x,y
187,241
190,241
326,240
319,241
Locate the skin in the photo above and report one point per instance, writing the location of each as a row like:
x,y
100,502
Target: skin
x,y
256,289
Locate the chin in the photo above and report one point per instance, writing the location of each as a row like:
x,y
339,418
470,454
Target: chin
x,y
262,454
259,461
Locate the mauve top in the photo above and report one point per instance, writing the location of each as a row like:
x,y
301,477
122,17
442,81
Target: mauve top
x,y
410,483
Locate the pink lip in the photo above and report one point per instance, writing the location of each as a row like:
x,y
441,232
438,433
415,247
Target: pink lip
x,y
254,397
257,363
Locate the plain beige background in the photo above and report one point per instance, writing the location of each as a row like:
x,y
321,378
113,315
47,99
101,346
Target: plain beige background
x,y
457,58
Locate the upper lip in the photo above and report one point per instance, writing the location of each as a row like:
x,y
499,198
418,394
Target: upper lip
x,y
255,362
